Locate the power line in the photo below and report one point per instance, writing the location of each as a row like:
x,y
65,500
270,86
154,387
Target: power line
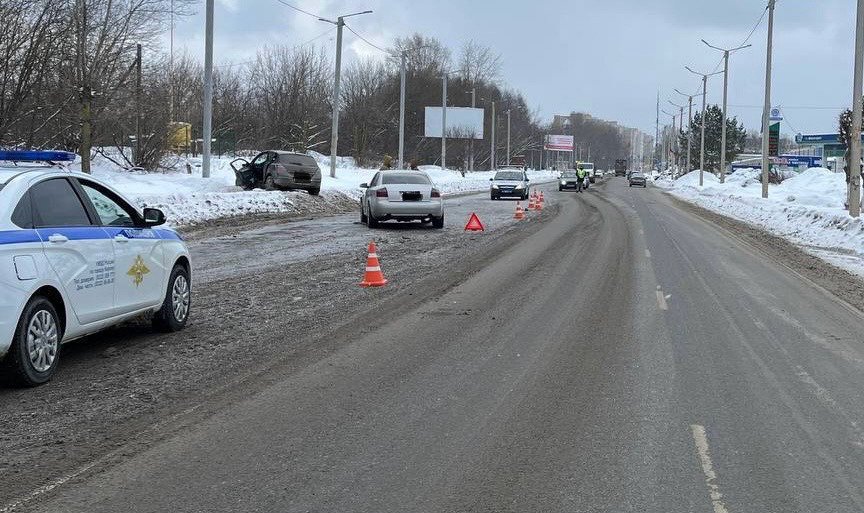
x,y
746,39
283,2
756,26
795,107
295,47
370,43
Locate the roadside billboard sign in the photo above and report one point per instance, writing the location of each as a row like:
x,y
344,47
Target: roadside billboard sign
x,y
558,143
462,122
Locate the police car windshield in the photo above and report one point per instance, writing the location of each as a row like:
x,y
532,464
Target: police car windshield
x,y
508,175
568,174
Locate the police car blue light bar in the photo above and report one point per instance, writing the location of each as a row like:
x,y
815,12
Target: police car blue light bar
x,y
37,156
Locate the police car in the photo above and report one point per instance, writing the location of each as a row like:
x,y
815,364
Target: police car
x,y
76,257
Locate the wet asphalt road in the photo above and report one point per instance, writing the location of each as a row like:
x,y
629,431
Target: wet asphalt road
x,y
624,355
250,251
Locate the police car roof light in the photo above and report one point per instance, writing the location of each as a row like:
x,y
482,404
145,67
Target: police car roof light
x,y
37,156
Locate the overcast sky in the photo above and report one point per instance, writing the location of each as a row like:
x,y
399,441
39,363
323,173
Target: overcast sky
x,y
604,57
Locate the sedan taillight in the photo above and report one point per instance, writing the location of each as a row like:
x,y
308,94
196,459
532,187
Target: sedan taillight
x,y
381,193
435,193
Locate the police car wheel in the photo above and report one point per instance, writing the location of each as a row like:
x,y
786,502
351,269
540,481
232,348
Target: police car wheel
x,y
35,351
178,301
269,183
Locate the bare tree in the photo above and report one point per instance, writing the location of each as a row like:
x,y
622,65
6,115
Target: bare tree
x,y
28,47
478,63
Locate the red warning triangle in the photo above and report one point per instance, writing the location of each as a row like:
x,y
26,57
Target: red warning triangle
x,y
474,224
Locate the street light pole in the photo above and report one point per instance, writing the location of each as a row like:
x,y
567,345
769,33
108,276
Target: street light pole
x,y
508,137
689,125
494,122
402,113
726,53
702,121
855,146
334,137
471,143
766,108
207,125
444,122
677,142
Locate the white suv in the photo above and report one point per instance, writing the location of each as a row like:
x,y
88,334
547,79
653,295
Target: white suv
x,y
76,257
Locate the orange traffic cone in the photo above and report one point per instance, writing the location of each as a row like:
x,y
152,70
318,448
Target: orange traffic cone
x,y
474,224
532,203
373,277
540,201
520,214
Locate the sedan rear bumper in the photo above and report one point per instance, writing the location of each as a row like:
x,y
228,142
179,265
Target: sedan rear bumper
x,y
290,182
407,210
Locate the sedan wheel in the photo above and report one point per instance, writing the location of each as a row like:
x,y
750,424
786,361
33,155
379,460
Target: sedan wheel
x,y
35,351
174,313
371,222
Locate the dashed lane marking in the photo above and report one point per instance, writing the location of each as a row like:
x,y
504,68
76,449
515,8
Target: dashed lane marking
x,y
661,299
701,440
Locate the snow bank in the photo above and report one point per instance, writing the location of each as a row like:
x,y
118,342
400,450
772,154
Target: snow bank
x,y
187,198
807,209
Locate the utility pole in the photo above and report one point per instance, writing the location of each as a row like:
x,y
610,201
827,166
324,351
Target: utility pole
x,y
508,137
494,122
334,136
702,122
657,130
677,141
726,53
855,146
689,125
669,151
444,123
207,126
137,158
402,114
766,163
171,69
471,143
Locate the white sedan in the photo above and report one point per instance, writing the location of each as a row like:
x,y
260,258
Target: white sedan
x,y
75,258
401,196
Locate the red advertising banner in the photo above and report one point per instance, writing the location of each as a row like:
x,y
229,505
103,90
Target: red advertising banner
x,y
558,143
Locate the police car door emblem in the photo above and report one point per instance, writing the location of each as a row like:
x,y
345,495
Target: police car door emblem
x,y
138,270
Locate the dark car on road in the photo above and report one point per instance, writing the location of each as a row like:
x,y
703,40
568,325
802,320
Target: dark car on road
x,y
284,170
637,178
509,182
568,180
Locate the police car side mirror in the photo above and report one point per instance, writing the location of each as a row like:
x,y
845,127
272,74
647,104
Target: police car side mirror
x,y
153,217
364,185
491,179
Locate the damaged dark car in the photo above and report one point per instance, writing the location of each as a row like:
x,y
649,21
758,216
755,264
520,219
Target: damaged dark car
x,y
278,170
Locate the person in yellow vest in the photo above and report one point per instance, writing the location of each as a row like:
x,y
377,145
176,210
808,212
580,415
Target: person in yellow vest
x,y
581,176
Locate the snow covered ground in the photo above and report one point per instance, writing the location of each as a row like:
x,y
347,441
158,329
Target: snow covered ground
x,y
806,209
190,199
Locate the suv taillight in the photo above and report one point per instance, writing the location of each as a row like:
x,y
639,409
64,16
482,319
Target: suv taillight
x,y
435,193
381,193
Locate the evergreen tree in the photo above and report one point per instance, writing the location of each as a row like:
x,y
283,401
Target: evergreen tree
x,y
736,137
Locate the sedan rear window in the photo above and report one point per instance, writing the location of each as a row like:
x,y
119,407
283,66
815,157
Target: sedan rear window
x,y
303,160
394,178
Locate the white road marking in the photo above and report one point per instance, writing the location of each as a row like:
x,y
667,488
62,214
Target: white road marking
x,y
661,299
701,440
647,253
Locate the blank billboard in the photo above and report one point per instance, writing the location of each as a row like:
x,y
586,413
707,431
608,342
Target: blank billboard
x,y
462,122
